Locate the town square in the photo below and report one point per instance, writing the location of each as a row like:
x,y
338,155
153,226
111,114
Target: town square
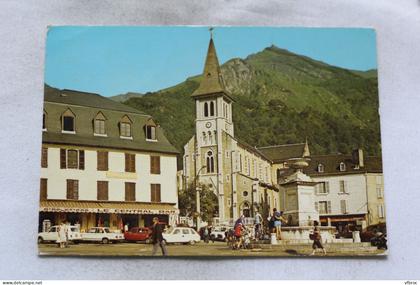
x,y
280,156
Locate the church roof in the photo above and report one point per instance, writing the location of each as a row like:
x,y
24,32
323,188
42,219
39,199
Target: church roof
x,y
212,80
281,153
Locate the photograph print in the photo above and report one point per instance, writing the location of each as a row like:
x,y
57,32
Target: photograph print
x,y
211,141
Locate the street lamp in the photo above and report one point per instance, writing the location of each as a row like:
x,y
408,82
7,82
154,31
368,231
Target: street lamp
x,y
197,197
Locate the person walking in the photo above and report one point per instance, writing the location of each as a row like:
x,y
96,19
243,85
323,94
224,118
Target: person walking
x,y
316,236
258,225
61,235
157,237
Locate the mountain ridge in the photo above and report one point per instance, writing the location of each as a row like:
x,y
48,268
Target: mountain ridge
x,y
281,97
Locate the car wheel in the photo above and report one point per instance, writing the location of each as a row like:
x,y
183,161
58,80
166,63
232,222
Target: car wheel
x,y
40,240
148,241
105,241
192,242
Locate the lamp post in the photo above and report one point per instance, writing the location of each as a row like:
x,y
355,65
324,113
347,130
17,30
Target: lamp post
x,y
197,197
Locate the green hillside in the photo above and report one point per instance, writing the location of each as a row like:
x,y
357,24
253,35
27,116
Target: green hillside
x,y
281,97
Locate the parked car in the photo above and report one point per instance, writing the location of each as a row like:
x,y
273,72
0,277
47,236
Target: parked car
x,y
52,235
371,232
181,235
102,234
138,234
218,233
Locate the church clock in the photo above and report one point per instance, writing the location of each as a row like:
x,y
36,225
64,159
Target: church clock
x,y
208,125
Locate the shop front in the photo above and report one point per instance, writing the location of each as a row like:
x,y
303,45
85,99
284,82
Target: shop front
x,y
115,215
343,223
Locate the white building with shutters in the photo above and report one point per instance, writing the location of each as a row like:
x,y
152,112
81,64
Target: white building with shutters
x,y
349,190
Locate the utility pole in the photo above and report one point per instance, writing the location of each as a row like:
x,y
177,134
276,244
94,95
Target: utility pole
x,y
197,197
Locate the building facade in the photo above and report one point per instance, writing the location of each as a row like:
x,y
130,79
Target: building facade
x,y
349,192
104,163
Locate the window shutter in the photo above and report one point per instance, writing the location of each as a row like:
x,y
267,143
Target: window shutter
x,y
81,159
43,189
329,207
327,187
127,162
316,207
44,157
69,187
62,158
158,192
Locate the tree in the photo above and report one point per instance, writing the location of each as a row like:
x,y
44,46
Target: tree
x,y
208,202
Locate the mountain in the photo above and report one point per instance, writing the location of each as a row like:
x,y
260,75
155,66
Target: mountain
x,y
281,97
125,97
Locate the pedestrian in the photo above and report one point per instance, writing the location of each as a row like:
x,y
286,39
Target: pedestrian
x,y
157,237
278,220
257,221
126,228
316,237
67,230
61,235
206,234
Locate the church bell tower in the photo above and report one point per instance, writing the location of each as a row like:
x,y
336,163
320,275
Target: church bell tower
x,y
213,118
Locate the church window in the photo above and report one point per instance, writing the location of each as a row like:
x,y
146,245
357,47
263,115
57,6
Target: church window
x,y
204,137
210,138
210,162
44,121
206,110
245,193
211,108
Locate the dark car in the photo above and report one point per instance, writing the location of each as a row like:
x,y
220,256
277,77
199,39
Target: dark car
x,y
138,234
371,232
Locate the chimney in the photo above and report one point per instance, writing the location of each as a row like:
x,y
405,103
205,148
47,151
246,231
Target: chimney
x,y
357,156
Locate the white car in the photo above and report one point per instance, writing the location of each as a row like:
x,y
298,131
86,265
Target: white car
x,y
102,234
181,235
52,235
219,233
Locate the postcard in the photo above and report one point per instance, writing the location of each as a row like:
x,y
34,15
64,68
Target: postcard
x,y
211,141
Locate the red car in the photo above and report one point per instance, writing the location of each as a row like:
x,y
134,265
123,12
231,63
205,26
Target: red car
x,y
138,234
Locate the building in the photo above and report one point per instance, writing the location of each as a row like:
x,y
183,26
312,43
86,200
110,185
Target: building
x,y
104,163
349,190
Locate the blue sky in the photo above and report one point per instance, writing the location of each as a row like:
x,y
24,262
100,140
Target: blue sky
x,y
116,60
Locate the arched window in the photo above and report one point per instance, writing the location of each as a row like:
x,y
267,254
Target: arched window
x,y
342,166
206,110
68,121
210,138
320,168
211,108
150,130
125,127
210,162
99,124
204,137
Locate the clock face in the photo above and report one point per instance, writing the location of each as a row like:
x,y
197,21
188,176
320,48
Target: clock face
x,y
208,125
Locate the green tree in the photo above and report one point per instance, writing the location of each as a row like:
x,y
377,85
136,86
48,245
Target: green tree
x,y
208,202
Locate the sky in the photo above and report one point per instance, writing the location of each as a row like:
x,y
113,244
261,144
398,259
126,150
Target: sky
x,y
116,60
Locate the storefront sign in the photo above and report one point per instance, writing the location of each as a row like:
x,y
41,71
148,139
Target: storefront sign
x,y
106,211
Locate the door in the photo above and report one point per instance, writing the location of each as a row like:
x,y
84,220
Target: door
x,y
186,235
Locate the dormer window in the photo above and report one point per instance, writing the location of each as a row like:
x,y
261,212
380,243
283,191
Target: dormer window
x,y
99,125
68,122
342,166
150,130
320,168
125,127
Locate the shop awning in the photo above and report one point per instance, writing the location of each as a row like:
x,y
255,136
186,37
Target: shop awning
x,y
74,206
343,218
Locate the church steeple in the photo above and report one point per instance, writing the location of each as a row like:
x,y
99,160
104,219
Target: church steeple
x,y
212,80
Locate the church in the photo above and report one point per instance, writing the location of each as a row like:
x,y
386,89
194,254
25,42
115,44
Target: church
x,y
243,177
